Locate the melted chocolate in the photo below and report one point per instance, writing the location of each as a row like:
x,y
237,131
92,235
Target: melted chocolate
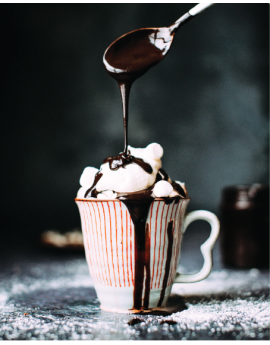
x,y
91,192
122,160
130,56
134,321
163,174
168,261
147,267
179,189
138,205
127,59
169,322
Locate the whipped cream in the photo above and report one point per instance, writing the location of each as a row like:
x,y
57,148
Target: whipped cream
x,y
131,177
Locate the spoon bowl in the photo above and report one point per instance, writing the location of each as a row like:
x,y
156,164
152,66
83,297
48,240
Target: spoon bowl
x,y
132,54
137,51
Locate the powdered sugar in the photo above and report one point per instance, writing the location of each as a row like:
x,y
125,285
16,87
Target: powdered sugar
x,y
56,301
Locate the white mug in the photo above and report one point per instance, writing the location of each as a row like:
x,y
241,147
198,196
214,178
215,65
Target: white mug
x,y
124,280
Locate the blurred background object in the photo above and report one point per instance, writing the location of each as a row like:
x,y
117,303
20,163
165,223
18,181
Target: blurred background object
x,y
71,240
206,104
244,228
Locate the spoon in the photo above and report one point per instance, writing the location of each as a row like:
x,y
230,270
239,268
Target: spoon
x,y
132,54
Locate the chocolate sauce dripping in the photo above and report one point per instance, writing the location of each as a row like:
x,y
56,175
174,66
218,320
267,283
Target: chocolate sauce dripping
x,y
126,80
168,261
119,161
147,267
92,192
164,175
138,205
169,201
137,196
122,160
133,54
145,166
179,189
126,60
125,91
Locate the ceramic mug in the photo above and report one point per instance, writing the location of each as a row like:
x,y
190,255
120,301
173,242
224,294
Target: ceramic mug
x,y
122,283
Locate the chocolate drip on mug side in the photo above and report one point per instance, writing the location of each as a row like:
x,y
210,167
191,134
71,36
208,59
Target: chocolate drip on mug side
x,y
147,267
138,205
168,261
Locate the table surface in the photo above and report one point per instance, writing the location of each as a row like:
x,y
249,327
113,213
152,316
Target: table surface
x,y
47,295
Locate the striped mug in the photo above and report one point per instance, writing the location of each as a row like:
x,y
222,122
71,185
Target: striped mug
x,y
127,277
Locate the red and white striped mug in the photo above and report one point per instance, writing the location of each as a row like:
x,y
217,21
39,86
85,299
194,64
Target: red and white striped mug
x,y
128,278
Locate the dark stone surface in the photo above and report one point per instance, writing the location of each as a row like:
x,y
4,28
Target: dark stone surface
x,y
49,295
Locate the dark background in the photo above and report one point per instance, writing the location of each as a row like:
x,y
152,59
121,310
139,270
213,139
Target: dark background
x,y
206,104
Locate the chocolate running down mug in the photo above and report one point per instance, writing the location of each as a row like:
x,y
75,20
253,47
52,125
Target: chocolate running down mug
x,y
134,270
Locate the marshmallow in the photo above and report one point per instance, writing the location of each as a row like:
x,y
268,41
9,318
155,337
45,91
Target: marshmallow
x,y
154,151
82,191
162,189
107,194
173,194
132,177
88,176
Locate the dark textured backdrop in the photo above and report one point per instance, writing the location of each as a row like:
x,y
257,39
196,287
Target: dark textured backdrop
x,y
206,104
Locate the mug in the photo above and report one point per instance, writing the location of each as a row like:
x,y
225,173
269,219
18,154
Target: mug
x,y
129,277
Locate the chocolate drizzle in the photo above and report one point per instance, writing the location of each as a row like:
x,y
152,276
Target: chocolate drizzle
x,y
179,189
138,205
133,54
92,192
164,175
168,261
147,267
127,59
122,160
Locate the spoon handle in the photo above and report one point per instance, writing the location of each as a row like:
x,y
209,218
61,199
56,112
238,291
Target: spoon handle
x,y
199,8
189,15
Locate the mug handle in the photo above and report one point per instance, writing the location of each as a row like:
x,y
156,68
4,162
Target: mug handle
x,y
206,247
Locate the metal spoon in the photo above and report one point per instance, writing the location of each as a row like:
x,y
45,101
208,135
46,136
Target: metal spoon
x,y
132,54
